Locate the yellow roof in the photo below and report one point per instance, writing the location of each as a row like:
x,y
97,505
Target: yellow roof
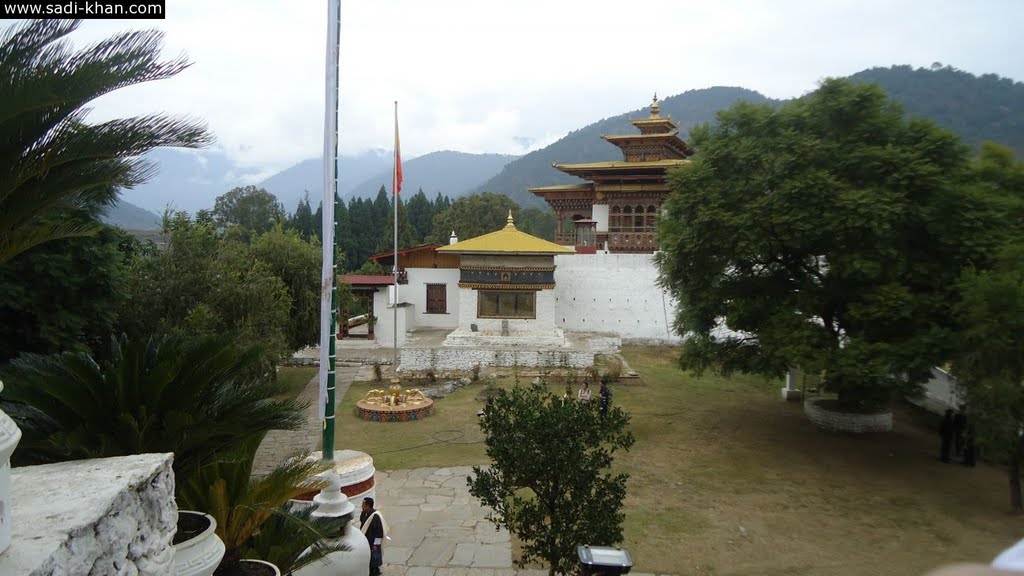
x,y
586,187
508,240
668,163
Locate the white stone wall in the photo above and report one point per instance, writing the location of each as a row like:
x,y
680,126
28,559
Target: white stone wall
x,y
415,292
101,516
613,293
543,324
454,358
383,331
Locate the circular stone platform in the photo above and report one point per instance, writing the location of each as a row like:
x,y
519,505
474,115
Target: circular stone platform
x,y
405,412
356,471
819,411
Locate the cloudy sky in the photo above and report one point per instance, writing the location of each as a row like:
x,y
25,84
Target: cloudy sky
x,y
493,75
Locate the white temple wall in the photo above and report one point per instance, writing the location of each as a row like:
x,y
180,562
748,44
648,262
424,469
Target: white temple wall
x,y
543,323
613,293
415,293
384,330
599,214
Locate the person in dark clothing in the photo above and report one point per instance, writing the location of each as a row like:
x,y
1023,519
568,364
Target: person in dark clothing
x,y
373,528
606,398
970,451
959,429
946,434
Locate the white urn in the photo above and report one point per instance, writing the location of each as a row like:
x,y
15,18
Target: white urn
x,y
200,554
332,502
10,435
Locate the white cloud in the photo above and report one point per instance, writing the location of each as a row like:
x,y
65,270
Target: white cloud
x,y
479,76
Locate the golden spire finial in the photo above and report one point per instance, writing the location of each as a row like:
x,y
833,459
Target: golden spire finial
x,y
510,223
655,108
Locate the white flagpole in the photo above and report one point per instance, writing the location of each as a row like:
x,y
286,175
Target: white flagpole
x,y
394,193
329,267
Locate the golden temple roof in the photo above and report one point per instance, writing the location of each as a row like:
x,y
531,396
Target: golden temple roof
x,y
508,240
622,164
585,187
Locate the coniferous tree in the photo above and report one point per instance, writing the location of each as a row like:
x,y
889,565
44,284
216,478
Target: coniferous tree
x,y
421,216
405,232
302,220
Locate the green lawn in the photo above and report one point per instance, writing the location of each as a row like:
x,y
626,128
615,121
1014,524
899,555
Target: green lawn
x,y
294,378
727,479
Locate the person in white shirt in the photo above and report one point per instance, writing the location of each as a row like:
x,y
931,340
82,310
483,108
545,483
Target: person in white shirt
x,y
584,394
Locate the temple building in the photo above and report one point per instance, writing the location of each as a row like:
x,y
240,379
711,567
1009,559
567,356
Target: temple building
x,y
506,289
616,209
508,298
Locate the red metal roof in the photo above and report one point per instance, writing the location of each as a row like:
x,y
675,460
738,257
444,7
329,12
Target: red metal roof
x,y
366,279
391,253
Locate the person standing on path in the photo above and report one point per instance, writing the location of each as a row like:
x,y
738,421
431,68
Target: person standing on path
x,y
606,398
946,436
372,525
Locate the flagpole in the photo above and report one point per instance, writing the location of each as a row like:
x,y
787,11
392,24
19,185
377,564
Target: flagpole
x,y
328,226
395,190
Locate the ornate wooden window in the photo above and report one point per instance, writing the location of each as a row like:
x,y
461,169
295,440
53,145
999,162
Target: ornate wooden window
x,y
506,304
638,219
614,219
627,219
437,298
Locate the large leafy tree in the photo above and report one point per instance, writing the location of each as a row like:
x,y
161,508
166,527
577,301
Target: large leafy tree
x,y
472,216
548,481
199,398
205,284
55,165
825,234
252,209
989,358
90,272
296,262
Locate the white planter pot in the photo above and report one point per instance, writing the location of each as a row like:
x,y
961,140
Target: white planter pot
x,y
356,562
201,555
271,570
10,435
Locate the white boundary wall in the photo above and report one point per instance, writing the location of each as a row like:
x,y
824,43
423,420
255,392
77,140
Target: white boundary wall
x,y
613,293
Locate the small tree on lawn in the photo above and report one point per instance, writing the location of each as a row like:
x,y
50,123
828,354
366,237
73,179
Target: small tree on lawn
x,y
549,482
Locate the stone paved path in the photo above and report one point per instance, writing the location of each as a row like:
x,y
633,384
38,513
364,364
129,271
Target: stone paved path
x,y
437,527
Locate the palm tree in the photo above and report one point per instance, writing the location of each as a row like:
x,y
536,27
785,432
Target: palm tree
x,y
199,399
57,171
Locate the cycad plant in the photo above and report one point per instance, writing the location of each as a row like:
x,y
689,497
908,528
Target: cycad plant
x,y
198,398
242,504
292,538
53,165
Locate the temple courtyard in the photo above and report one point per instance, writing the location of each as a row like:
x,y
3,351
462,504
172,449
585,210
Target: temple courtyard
x,y
726,478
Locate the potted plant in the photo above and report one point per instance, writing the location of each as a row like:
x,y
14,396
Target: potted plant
x,y
197,548
241,504
371,321
294,538
9,437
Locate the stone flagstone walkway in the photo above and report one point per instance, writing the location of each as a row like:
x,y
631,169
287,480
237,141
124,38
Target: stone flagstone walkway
x,y
436,525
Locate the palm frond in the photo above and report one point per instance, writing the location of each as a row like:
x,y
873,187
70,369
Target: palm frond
x,y
51,157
